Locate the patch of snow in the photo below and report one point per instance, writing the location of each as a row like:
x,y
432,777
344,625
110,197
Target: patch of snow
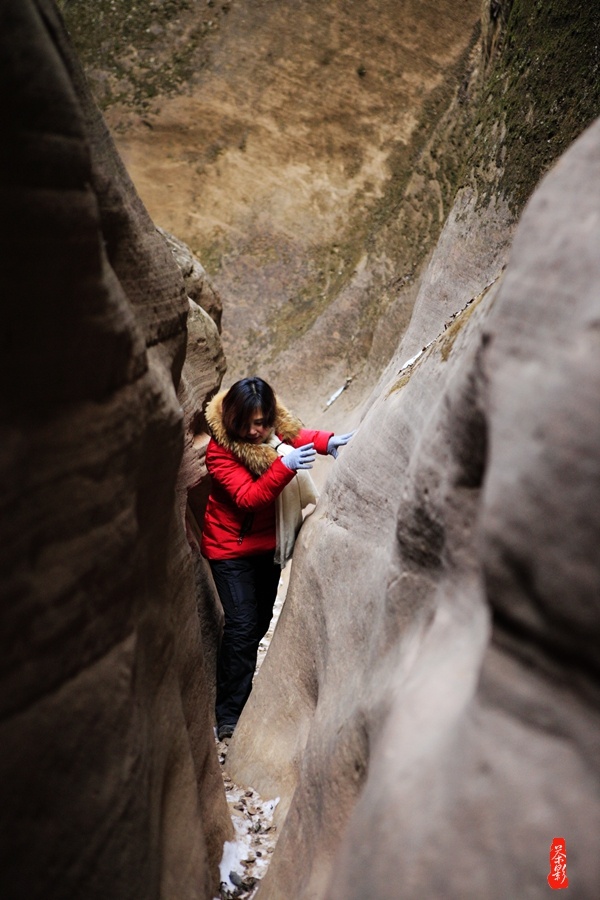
x,y
339,392
245,859
233,854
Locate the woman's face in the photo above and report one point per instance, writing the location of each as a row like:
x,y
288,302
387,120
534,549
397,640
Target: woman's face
x,y
256,431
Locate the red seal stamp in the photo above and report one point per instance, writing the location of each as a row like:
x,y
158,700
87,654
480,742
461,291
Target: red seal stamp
x,y
558,864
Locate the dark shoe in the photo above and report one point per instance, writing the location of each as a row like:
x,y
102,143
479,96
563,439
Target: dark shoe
x,y
225,731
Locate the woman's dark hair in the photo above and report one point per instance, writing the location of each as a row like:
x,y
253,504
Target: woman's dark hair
x,y
242,400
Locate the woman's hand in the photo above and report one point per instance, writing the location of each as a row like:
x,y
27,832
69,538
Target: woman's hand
x,y
336,441
300,458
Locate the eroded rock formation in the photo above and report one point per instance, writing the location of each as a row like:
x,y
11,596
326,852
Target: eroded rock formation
x,y
200,378
110,783
428,710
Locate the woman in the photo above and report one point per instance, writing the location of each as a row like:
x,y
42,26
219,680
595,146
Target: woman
x,y
257,451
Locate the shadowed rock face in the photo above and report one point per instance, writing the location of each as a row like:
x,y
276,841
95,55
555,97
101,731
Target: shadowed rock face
x,y
200,378
428,710
110,783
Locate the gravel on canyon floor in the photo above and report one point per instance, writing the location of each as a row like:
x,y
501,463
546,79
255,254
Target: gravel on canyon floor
x,y
246,858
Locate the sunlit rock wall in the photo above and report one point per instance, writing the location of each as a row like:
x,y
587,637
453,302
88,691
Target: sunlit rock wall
x,y
428,710
109,781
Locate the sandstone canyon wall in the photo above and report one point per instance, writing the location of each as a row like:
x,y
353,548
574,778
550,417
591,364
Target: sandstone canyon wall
x,y
428,711
429,708
109,780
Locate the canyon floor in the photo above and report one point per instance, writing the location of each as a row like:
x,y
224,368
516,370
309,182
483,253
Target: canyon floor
x,y
246,859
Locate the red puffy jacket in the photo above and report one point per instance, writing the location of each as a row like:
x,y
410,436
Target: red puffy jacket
x,y
240,513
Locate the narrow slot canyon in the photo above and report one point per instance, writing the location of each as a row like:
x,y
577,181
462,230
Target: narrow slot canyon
x,y
246,858
390,211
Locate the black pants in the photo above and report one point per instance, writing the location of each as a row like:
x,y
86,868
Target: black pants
x,y
247,589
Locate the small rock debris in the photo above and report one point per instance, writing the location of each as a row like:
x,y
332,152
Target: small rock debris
x,y
255,837
245,861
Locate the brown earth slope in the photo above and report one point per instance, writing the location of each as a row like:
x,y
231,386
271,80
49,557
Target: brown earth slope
x,y
311,153
282,144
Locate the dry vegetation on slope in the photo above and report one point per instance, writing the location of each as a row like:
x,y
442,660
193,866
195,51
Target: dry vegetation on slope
x,y
310,155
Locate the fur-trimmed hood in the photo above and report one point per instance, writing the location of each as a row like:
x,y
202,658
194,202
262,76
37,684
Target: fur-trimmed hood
x,y
256,457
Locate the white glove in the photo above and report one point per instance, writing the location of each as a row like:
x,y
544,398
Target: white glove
x,y
300,458
336,441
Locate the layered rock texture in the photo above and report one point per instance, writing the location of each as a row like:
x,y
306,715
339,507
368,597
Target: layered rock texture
x,y
109,780
354,174
429,707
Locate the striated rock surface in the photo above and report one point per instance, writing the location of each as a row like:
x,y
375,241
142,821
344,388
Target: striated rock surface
x,y
200,378
110,781
198,285
429,708
429,711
